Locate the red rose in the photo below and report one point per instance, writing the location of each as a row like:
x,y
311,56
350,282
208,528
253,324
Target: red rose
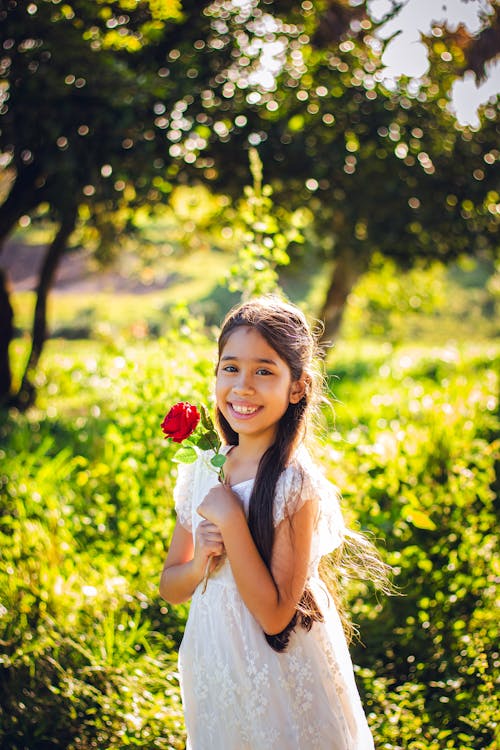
x,y
181,421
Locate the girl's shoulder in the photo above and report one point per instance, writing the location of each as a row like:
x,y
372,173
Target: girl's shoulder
x,y
303,470
302,481
192,479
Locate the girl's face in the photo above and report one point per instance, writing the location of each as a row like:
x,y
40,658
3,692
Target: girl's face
x,y
254,385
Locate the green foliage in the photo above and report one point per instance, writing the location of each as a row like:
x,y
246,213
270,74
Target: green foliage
x,y
382,168
157,93
416,448
426,303
86,59
88,650
85,518
105,68
265,236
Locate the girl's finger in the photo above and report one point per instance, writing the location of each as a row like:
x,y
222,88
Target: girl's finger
x,y
206,524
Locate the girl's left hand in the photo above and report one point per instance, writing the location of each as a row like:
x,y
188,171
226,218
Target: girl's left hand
x,y
219,505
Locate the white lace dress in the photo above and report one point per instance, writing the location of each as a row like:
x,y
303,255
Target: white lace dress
x,y
237,692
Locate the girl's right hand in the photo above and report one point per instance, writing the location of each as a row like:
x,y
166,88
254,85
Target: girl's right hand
x,y
208,544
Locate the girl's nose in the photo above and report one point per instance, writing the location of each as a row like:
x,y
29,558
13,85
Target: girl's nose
x,y
243,384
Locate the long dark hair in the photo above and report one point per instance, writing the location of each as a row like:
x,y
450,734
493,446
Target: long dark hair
x,y
286,330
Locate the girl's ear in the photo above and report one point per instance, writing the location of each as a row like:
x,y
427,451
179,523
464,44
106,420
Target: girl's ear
x,y
297,391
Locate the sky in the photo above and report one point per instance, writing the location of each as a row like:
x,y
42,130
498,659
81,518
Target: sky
x,y
407,55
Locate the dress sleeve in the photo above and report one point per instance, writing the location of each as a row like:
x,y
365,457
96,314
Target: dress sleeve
x,y
300,482
183,494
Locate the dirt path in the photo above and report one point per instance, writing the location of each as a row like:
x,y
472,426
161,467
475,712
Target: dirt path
x,y
74,275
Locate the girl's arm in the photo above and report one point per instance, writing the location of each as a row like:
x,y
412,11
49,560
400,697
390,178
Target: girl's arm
x,y
271,597
186,562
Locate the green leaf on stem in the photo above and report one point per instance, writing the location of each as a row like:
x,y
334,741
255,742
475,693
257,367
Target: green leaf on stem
x,y
186,455
218,460
204,443
214,439
206,419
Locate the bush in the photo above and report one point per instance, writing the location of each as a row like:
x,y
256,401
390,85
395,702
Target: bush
x,y
420,468
88,649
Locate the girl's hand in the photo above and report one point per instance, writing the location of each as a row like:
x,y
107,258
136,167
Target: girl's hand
x,y
208,545
220,505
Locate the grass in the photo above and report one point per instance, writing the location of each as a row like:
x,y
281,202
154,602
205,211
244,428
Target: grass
x,y
435,304
88,648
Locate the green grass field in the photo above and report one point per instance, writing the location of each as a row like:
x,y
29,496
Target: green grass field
x,y
88,649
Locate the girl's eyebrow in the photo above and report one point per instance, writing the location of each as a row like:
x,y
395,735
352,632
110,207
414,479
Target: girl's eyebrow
x,y
261,360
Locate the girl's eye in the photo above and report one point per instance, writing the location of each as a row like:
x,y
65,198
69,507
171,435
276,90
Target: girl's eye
x,y
263,371
229,368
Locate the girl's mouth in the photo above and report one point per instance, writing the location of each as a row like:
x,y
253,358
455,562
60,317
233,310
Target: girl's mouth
x,y
243,411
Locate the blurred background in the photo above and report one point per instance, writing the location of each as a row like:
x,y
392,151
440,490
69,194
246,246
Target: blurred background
x,y
160,160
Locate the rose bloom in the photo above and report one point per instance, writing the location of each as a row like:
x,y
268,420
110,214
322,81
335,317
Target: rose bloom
x,y
180,422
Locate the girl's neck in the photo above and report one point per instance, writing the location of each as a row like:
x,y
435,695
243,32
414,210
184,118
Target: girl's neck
x,y
251,448
237,471
243,459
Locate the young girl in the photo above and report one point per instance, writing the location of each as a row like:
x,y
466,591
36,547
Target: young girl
x,y
264,661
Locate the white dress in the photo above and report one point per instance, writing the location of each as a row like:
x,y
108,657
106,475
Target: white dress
x,y
237,692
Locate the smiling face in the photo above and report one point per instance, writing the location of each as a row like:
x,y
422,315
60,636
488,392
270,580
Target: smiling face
x,y
254,385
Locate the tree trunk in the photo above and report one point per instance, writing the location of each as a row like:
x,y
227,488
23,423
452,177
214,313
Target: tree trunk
x,y
349,266
6,334
24,195
26,395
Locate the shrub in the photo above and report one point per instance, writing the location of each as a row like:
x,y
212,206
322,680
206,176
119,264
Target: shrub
x,y
88,649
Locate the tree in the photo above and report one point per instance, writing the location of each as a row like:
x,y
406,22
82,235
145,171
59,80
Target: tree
x,y
383,169
63,81
132,97
480,47
484,48
87,97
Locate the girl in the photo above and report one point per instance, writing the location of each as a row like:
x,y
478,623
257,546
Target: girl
x,y
264,661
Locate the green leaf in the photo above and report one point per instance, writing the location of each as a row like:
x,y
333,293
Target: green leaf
x,y
418,518
214,438
204,443
205,418
186,455
218,460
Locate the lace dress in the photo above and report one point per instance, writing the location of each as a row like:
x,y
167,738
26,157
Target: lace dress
x,y
237,692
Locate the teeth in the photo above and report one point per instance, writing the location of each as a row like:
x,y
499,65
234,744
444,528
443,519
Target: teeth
x,y
244,409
